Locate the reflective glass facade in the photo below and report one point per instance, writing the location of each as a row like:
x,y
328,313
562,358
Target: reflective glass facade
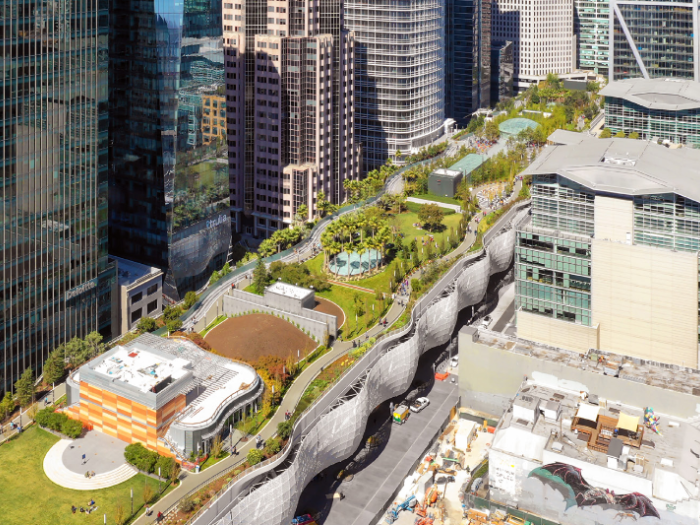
x,y
592,26
662,35
553,266
169,182
55,278
680,127
467,58
502,71
553,276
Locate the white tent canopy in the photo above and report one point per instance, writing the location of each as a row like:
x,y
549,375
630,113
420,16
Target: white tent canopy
x,y
588,412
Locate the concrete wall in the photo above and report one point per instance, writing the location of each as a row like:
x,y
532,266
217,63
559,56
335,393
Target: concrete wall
x,y
557,333
283,302
296,307
645,300
614,219
127,306
318,328
489,377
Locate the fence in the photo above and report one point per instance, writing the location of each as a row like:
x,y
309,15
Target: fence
x,y
225,282
471,501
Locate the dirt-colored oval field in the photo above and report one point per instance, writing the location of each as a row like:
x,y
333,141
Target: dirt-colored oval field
x,y
329,307
251,336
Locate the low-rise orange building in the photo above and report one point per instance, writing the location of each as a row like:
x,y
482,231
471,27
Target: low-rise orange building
x,y
149,390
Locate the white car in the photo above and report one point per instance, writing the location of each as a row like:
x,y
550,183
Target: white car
x,y
454,362
419,404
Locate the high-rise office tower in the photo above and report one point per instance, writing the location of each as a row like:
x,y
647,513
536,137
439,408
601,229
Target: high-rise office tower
x,y
169,177
289,80
609,257
55,278
400,75
542,33
501,71
654,39
592,27
467,58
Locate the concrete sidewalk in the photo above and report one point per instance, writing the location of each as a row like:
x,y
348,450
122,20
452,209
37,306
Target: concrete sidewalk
x,y
23,419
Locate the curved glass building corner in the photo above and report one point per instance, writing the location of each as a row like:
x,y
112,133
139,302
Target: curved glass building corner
x,y
169,188
399,75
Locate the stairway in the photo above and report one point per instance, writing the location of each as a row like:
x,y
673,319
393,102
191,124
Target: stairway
x,y
62,476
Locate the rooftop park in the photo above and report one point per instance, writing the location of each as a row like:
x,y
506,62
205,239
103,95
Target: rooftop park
x,y
29,497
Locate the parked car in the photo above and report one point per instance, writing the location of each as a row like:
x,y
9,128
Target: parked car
x,y
419,404
486,321
454,361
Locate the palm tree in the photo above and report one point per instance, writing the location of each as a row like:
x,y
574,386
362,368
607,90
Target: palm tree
x,y
361,249
334,249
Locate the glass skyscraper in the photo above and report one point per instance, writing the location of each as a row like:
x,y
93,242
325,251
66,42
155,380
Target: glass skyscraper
x,y
592,24
169,181
467,58
652,39
56,281
399,75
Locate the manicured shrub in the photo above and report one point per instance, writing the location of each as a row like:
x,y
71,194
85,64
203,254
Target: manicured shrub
x,y
284,429
165,464
72,428
59,422
140,457
255,456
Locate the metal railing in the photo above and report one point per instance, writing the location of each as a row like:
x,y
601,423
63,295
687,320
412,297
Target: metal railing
x,y
323,404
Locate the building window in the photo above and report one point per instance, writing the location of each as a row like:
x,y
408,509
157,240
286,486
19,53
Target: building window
x,y
152,289
135,315
136,297
151,306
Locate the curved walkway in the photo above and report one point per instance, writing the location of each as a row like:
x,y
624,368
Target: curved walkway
x,y
192,482
61,475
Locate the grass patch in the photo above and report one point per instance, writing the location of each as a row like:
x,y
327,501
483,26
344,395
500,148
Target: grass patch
x,y
414,207
29,497
213,324
403,223
344,297
211,461
438,198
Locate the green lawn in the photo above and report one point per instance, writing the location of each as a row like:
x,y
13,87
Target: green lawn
x,y
379,281
404,224
28,497
211,461
344,297
438,198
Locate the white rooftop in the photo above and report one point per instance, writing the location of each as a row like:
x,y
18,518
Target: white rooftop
x,y
669,94
289,290
141,368
219,394
131,271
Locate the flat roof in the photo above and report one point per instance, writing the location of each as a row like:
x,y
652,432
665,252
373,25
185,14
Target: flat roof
x,y
657,93
667,457
447,173
131,271
669,377
516,125
469,163
289,290
564,137
218,378
141,368
624,167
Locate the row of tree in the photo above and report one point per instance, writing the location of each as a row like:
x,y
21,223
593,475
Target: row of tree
x,y
358,232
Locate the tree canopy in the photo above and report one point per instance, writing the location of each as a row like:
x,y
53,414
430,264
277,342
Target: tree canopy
x,y
431,215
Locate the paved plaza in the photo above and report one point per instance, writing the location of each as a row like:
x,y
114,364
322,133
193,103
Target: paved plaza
x,y
104,456
103,453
